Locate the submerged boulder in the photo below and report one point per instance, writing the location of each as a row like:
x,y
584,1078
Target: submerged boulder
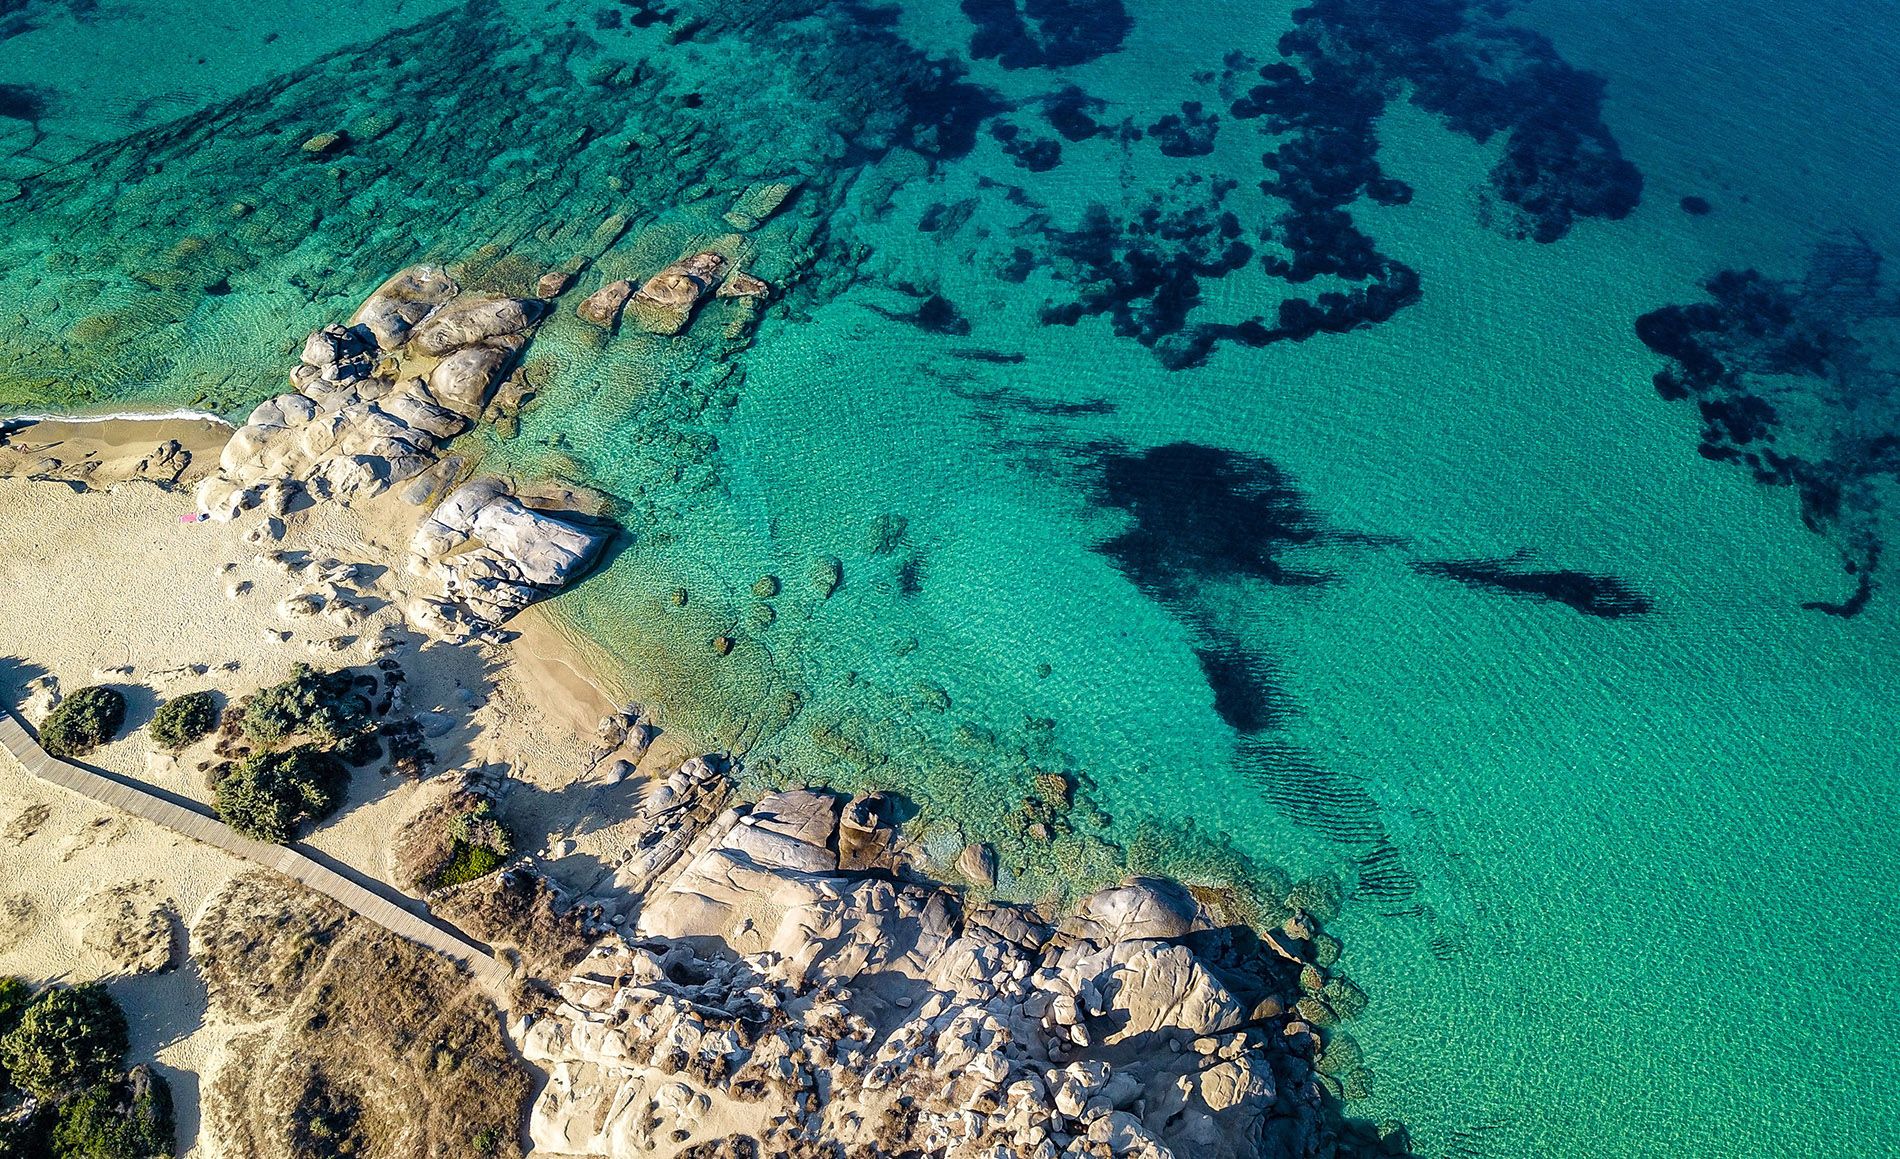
x,y
603,306
664,305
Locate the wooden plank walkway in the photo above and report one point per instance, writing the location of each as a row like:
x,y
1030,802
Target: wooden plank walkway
x,y
193,821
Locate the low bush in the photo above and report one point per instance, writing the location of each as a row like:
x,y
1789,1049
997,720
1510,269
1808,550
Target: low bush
x,y
452,842
131,1119
83,721
66,1039
185,720
267,795
321,705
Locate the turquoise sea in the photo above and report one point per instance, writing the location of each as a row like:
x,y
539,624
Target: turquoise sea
x,y
1578,681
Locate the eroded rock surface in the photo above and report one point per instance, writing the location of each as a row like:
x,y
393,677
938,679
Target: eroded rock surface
x,y
374,400
493,555
767,994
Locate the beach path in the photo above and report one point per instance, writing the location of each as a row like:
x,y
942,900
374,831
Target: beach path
x,y
303,866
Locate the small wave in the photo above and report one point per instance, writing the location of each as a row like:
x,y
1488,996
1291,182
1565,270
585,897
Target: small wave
x,y
8,422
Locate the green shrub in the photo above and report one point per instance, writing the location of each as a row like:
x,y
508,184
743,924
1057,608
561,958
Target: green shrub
x,y
119,1120
184,720
267,795
15,997
467,863
321,705
83,721
480,845
65,1040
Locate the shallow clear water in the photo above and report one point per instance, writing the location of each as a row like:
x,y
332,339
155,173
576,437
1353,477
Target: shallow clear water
x,y
1613,817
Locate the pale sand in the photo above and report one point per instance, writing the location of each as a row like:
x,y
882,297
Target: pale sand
x,y
94,582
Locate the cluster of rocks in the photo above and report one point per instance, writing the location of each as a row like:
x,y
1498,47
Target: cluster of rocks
x,y
417,364
493,555
664,303
772,991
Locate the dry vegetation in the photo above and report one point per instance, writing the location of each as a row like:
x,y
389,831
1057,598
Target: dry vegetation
x,y
517,908
384,1051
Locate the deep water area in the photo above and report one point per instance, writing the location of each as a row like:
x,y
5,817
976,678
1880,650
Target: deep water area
x,y
1438,452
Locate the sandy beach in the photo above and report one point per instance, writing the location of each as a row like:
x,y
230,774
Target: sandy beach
x,y
101,582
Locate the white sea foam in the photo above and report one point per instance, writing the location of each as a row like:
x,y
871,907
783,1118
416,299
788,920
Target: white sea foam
x,y
151,416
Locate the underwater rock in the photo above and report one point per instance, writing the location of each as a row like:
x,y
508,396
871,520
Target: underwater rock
x,y
765,587
552,284
977,862
664,304
827,575
740,284
759,202
602,307
324,144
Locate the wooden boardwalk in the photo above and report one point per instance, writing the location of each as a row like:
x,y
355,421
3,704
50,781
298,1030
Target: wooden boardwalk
x,y
194,821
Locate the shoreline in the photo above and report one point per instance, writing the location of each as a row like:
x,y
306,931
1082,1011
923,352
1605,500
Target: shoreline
x,y
655,840
9,422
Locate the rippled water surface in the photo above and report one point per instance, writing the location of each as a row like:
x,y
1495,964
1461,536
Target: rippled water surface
x,y
1329,434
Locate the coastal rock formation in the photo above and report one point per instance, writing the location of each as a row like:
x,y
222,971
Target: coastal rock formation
x,y
363,415
768,995
602,307
520,555
664,304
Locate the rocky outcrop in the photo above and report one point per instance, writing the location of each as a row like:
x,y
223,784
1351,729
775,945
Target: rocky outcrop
x,y
664,304
402,301
770,994
493,555
373,400
756,203
603,306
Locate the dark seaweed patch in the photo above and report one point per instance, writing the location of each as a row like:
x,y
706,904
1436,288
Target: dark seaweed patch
x,y
1071,112
22,102
1045,33
1203,513
1189,133
1480,76
1384,876
1311,795
997,357
1785,385
1586,592
1246,686
1696,206
1144,271
1036,154
936,314
1343,63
